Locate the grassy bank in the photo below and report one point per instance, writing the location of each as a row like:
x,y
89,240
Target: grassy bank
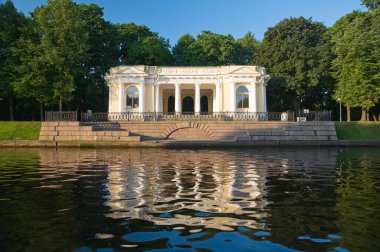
x,y
19,130
358,130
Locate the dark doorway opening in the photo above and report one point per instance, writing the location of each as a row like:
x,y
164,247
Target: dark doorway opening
x,y
171,104
188,104
204,104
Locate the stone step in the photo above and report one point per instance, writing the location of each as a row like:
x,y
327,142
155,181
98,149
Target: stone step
x,y
290,138
93,133
46,138
49,124
74,128
300,133
314,123
326,133
98,138
243,138
69,124
47,128
309,128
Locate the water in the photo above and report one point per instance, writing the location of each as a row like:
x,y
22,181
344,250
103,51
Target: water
x,y
190,200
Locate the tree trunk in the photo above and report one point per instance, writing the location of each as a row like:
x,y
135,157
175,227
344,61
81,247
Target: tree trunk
x,y
11,105
348,114
41,112
364,115
296,106
367,112
60,105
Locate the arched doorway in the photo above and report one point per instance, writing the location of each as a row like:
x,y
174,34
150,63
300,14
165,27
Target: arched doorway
x,y
171,104
204,104
188,104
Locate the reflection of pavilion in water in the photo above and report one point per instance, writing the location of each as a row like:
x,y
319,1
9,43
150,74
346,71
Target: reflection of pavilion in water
x,y
213,189
187,188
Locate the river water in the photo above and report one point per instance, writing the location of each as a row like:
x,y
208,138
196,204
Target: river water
x,y
271,199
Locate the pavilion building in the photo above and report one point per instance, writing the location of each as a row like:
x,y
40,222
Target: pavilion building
x,y
187,89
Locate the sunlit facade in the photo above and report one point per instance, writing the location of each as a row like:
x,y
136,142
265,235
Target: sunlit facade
x,y
187,89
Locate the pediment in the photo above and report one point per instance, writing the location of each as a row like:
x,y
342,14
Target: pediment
x,y
128,70
244,70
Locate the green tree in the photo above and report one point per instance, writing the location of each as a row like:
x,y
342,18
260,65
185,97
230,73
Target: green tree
x,y
371,4
298,57
356,40
34,73
101,53
246,49
128,35
139,45
37,73
11,23
211,49
151,51
64,41
181,51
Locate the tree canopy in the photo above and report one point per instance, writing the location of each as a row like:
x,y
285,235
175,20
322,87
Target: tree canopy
x,y
57,58
11,23
356,39
297,56
371,4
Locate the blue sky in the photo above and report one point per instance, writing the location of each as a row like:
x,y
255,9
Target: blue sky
x,y
173,18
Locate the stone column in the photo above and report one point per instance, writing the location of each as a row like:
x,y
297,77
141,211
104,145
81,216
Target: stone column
x,y
177,104
217,97
157,99
233,97
110,90
141,98
252,97
265,96
121,97
197,105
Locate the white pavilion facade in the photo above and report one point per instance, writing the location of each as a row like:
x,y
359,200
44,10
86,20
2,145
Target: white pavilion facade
x,y
197,90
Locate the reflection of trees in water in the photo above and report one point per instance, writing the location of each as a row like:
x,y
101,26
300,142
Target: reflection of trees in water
x,y
358,201
302,199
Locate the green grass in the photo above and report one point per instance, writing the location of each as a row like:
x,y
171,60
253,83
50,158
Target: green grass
x,y
20,130
358,130
87,145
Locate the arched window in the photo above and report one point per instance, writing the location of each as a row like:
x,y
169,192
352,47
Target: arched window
x,y
132,97
242,97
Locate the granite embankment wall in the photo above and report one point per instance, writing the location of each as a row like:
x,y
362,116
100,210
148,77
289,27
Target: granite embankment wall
x,y
186,134
144,133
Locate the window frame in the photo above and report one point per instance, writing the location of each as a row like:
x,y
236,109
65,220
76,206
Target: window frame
x,y
132,96
240,97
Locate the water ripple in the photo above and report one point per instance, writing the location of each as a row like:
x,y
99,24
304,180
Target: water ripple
x,y
200,200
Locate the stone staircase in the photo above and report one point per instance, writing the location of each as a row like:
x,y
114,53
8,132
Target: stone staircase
x,y
74,131
300,131
198,130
